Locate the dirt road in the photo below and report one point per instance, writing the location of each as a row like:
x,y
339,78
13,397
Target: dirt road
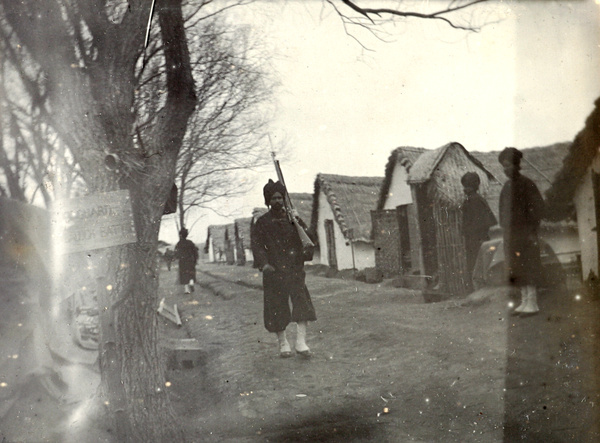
x,y
386,367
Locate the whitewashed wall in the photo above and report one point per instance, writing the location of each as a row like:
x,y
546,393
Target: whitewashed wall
x,y
364,255
586,221
399,192
211,250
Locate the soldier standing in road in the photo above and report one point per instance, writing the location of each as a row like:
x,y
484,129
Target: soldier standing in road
x,y
477,219
521,211
187,253
278,254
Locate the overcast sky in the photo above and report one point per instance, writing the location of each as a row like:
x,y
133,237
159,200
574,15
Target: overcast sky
x,y
530,78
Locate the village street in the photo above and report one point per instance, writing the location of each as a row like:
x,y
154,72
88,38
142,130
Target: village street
x,y
386,366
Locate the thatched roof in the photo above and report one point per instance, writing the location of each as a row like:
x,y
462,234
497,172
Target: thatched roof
x,y
242,229
404,156
540,164
578,159
351,199
424,167
443,168
303,203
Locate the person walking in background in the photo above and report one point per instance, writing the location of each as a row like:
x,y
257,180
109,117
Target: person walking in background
x,y
187,253
521,211
169,257
277,250
477,219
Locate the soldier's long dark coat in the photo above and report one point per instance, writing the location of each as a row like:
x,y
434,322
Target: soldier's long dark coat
x,y
187,252
276,242
521,211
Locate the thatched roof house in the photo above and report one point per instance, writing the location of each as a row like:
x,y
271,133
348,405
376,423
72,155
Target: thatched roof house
x,y
432,178
540,164
438,194
393,221
350,199
446,166
215,243
341,219
396,230
580,156
243,249
242,230
399,164
577,186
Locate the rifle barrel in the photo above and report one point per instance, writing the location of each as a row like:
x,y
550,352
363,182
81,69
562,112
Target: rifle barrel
x,y
307,243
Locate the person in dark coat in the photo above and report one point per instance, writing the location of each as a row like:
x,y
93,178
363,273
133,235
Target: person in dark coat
x,y
278,254
187,253
477,219
521,211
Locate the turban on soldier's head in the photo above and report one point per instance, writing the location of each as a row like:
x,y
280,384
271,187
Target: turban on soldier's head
x,y
471,180
183,233
511,154
271,188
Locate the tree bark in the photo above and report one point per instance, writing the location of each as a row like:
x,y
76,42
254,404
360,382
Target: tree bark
x,y
92,111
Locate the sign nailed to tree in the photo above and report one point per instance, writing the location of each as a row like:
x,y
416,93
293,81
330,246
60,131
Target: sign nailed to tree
x,y
93,222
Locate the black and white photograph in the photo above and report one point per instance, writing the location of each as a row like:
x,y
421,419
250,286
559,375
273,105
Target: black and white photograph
x,y
299,221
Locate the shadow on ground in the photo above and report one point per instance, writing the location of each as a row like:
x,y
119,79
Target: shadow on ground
x,y
551,375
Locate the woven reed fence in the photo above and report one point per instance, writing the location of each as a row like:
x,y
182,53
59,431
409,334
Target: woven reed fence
x,y
452,264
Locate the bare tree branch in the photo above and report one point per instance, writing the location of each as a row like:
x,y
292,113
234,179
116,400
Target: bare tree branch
x,y
447,14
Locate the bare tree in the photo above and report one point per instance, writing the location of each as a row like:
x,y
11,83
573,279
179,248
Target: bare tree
x,y
88,53
225,132
33,159
11,168
11,162
457,14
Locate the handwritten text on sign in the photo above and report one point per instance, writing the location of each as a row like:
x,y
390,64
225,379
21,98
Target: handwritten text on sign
x,y
93,222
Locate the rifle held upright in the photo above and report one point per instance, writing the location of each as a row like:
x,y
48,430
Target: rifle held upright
x,y
308,247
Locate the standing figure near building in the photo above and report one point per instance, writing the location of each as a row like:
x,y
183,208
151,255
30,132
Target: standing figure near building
x,y
187,253
277,251
477,219
521,211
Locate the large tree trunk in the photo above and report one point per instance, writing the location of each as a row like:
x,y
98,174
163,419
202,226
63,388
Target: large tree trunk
x,y
92,111
132,373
